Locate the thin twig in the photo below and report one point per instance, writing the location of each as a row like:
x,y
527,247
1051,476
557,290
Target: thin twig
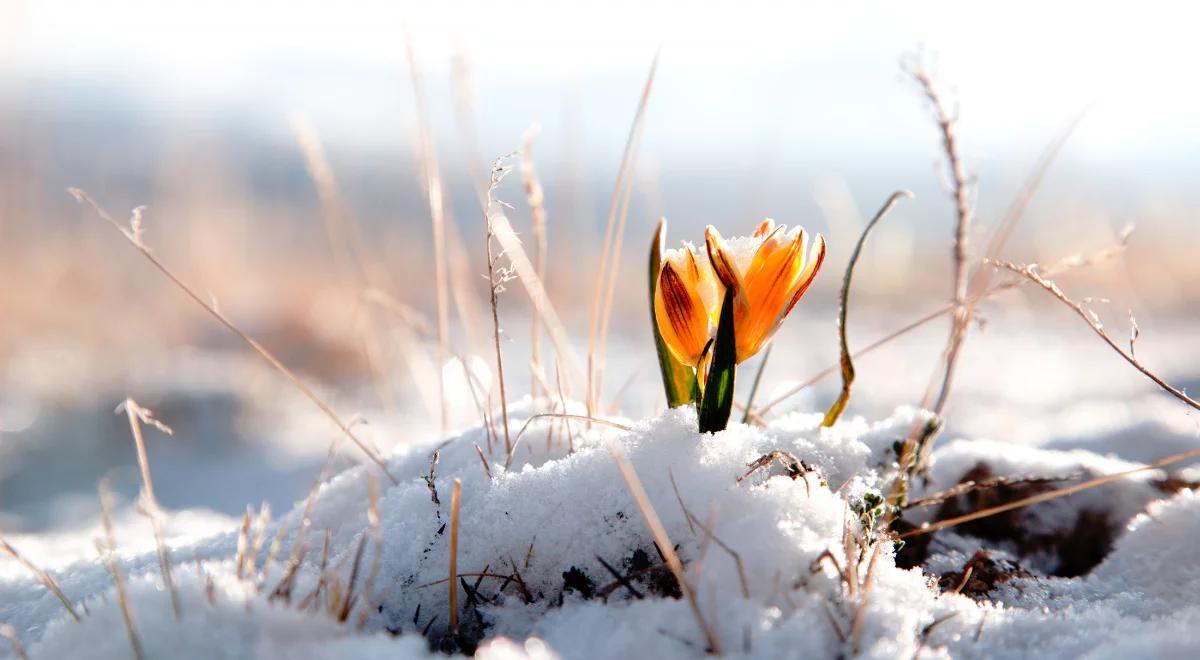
x,y
947,126
1030,273
258,348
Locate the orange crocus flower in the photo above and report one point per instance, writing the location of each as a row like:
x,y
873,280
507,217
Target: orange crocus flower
x,y
768,272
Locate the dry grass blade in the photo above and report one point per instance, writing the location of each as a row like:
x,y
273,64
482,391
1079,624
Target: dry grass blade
x,y
762,366
260,536
150,506
437,214
982,277
1051,495
135,240
346,238
536,197
108,550
496,280
856,626
527,273
835,411
14,642
928,630
355,262
464,105
283,589
314,597
42,576
374,520
455,503
487,468
348,600
597,325
664,542
562,403
996,482
710,534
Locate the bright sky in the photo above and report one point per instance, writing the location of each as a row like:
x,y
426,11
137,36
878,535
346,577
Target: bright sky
x,y
1020,69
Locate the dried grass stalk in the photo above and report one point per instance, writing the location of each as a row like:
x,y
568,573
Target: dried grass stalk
x,y
108,551
1052,495
40,575
496,280
149,503
515,253
437,214
455,503
664,543
536,198
608,267
133,236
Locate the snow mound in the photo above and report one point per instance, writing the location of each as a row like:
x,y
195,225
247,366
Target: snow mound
x,y
556,560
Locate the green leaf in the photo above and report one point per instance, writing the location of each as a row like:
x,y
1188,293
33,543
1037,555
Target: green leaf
x,y
679,380
717,401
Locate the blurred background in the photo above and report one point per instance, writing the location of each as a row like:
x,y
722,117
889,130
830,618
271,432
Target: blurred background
x,y
206,113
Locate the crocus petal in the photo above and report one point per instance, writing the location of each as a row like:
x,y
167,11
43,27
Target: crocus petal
x,y
682,317
766,227
768,291
816,257
722,260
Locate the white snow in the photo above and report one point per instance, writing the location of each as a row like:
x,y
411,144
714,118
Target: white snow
x,y
574,510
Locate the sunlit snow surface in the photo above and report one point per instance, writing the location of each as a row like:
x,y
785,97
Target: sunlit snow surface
x,y
574,510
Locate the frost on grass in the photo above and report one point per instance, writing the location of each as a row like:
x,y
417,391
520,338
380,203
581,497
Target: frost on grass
x,y
556,560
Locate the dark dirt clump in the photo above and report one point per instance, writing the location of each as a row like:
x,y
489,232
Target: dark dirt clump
x,y
980,576
1077,548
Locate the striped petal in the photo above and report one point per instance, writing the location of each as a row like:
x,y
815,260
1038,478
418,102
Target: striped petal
x,y
682,305
722,260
